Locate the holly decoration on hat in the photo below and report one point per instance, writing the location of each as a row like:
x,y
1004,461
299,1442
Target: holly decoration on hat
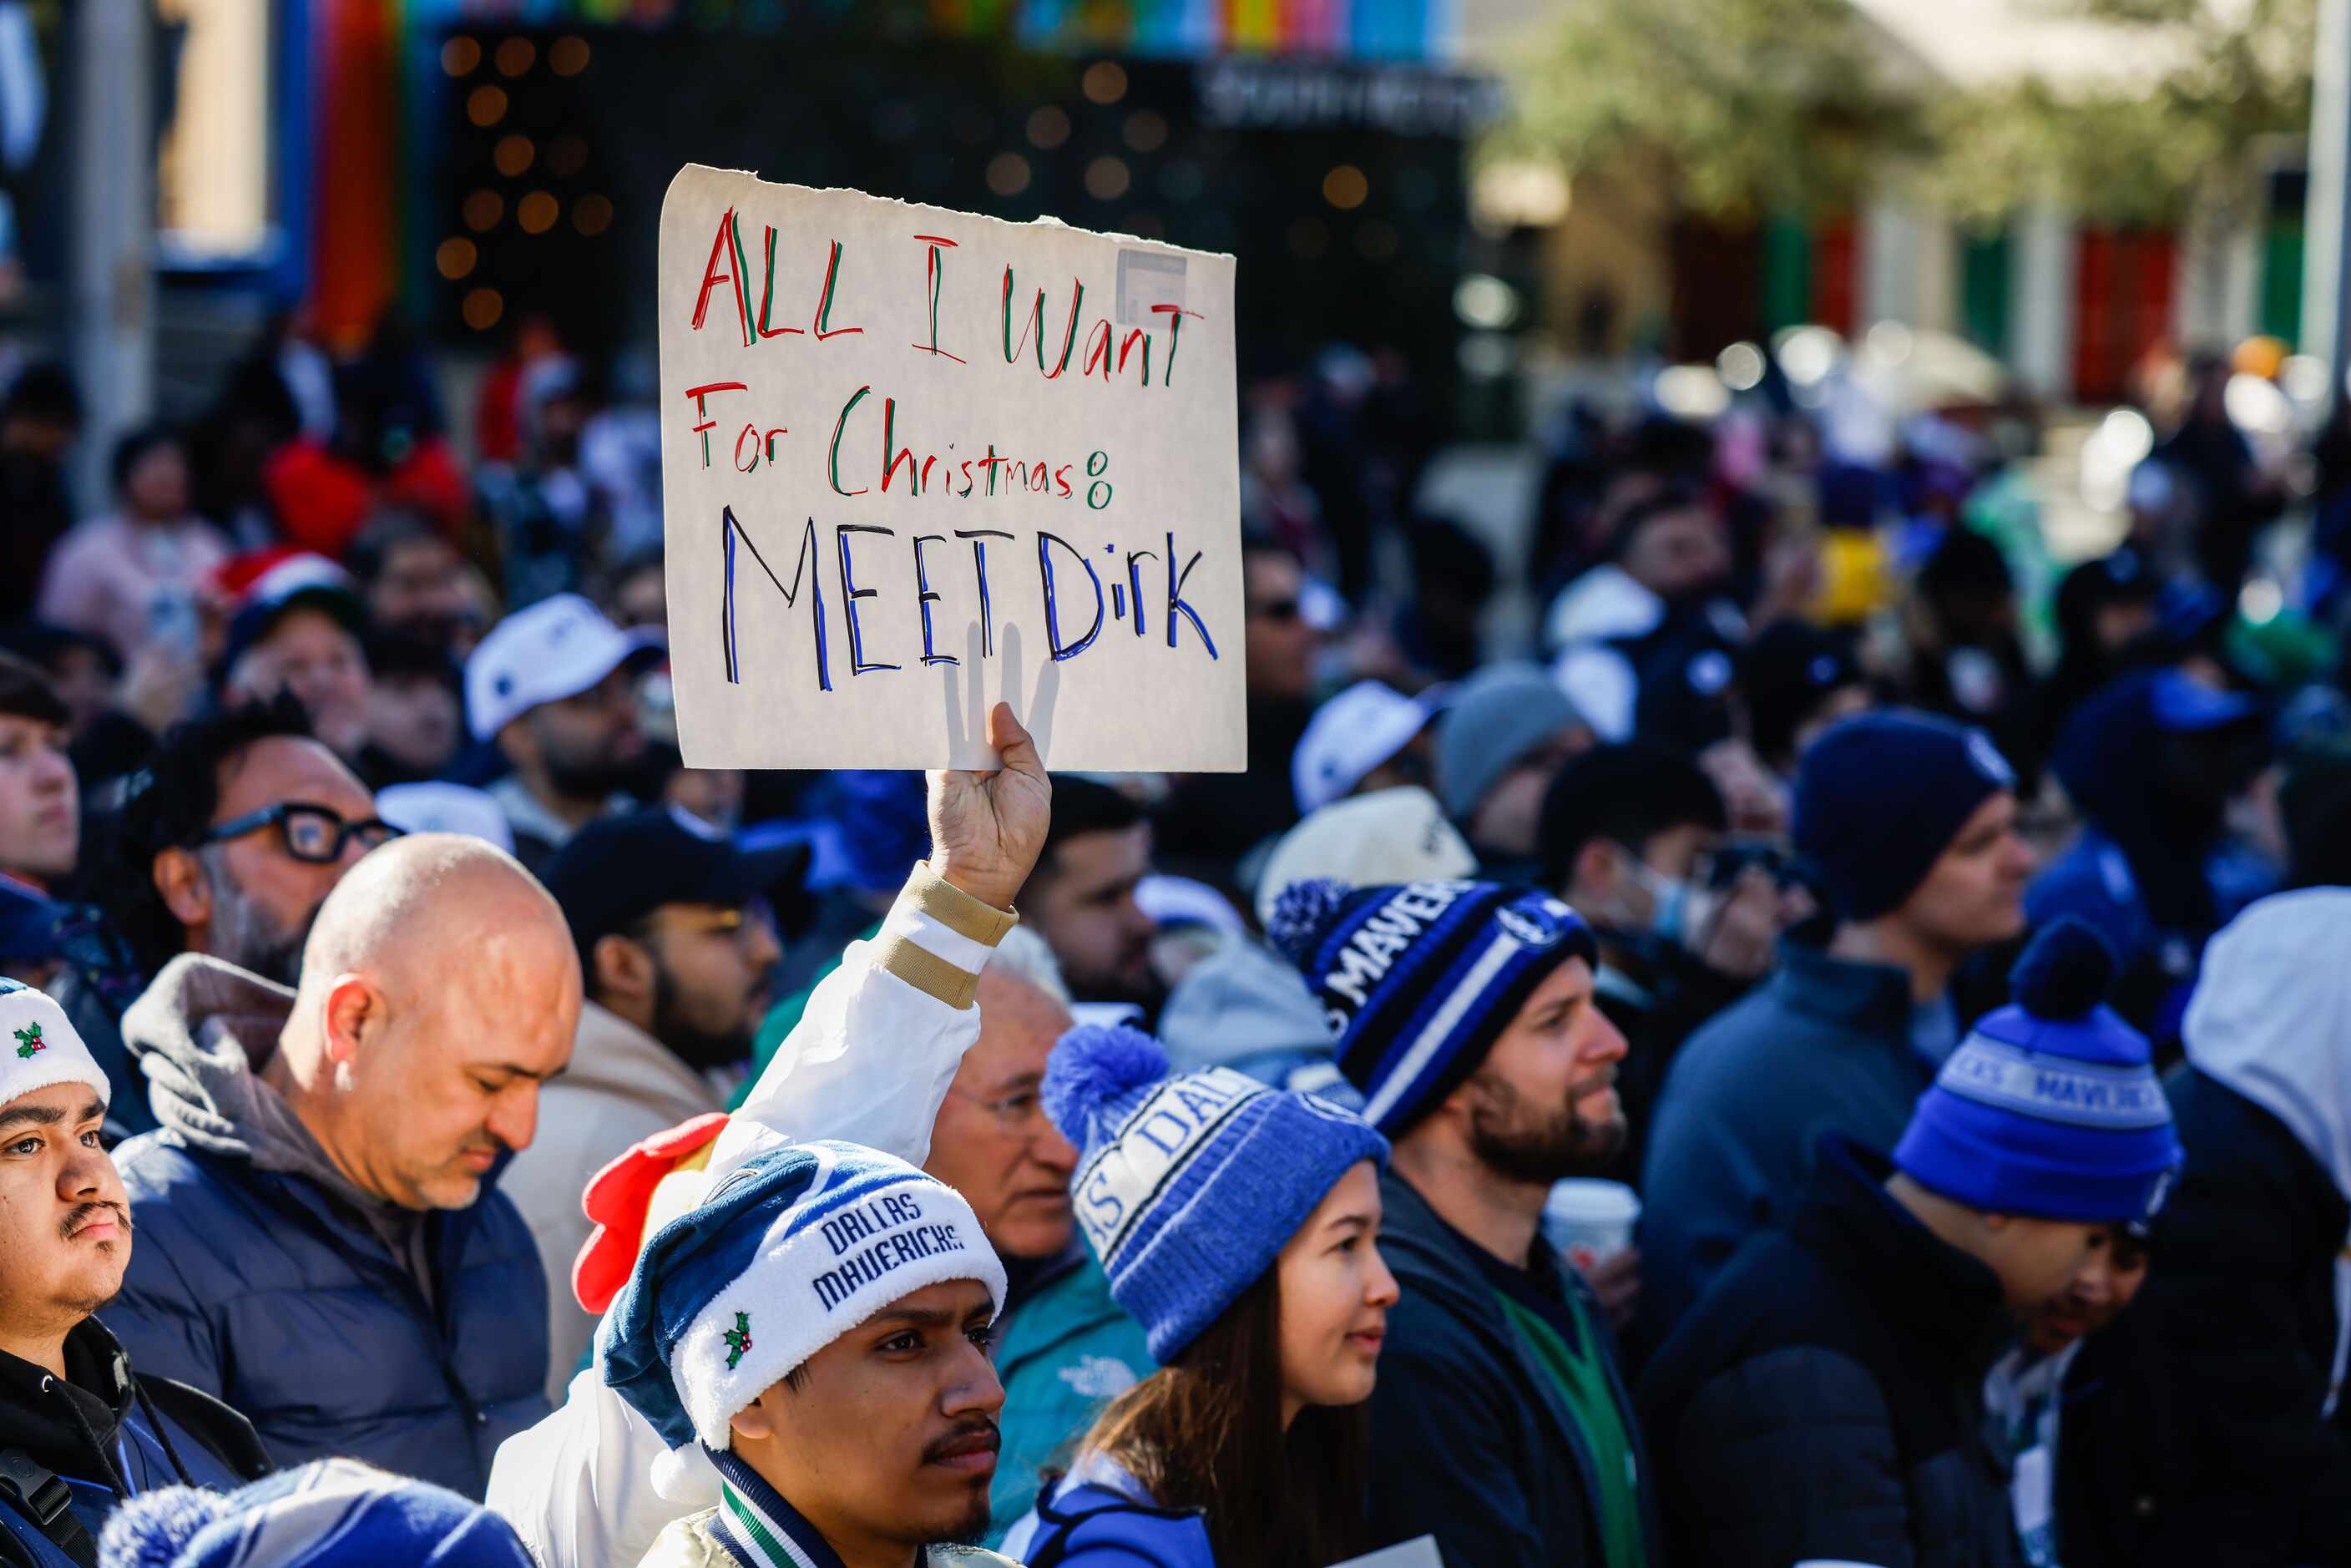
x,y
28,1040
739,1339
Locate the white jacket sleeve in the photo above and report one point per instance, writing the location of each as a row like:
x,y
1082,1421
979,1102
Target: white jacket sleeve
x,y
579,1487
869,1064
871,1058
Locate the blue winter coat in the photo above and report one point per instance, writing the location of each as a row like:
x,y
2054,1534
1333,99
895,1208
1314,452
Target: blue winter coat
x,y
1822,1046
261,1290
1096,1514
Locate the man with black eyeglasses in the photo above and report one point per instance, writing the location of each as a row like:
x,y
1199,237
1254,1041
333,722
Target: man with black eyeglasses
x,y
676,937
231,839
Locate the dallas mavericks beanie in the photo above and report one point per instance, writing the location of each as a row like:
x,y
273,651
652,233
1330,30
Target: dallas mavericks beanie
x,y
1418,981
1881,797
1189,1184
791,1250
329,1511
2050,1108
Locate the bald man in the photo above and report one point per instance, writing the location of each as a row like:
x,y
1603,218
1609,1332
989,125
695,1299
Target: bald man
x,y
320,1241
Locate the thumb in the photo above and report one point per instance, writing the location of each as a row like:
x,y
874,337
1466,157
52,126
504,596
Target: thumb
x,y
1013,744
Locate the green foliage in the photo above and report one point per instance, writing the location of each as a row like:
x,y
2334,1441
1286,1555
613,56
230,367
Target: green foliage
x,y
2223,81
1755,104
1760,105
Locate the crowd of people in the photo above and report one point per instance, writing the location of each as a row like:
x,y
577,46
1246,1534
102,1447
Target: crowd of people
x,y
1835,1048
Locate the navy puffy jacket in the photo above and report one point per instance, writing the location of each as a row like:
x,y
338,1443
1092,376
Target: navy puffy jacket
x,y
258,1288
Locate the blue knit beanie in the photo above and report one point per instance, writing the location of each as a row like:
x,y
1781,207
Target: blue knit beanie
x,y
328,1512
1188,1186
1418,981
2050,1108
1881,797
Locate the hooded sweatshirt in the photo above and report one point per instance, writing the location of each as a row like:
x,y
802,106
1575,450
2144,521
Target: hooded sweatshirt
x,y
2273,1024
202,1033
2250,1297
101,1432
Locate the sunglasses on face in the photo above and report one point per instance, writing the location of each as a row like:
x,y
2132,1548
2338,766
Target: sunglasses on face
x,y
313,834
1284,610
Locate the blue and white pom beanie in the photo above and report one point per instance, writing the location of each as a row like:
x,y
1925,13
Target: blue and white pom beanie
x,y
39,1048
335,1511
787,1252
2050,1108
1189,1184
1418,981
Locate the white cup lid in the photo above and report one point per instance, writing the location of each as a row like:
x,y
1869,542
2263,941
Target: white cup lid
x,y
1590,1197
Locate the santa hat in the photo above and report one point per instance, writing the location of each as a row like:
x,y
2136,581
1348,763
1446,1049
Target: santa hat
x,y
791,1250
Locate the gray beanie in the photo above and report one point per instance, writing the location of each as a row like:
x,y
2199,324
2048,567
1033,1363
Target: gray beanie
x,y
1496,716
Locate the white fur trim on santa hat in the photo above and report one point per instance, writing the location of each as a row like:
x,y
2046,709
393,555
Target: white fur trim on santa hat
x,y
848,1249
39,1048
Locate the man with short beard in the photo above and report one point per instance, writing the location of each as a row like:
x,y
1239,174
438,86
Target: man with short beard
x,y
676,940
1464,1012
553,685
80,1432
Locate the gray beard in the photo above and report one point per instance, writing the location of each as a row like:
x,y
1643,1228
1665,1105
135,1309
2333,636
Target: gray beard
x,y
244,935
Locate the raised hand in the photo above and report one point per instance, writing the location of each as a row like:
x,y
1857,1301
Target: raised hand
x,y
987,829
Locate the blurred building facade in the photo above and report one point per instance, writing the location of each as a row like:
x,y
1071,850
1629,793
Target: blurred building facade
x,y
2070,307
465,164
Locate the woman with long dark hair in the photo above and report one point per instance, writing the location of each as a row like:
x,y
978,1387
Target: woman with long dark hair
x,y
1239,1225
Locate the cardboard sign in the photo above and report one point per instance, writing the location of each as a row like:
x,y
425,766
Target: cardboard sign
x,y
915,462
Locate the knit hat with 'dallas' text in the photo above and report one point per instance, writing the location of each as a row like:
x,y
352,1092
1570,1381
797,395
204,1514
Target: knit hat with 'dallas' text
x,y
792,1248
1189,1184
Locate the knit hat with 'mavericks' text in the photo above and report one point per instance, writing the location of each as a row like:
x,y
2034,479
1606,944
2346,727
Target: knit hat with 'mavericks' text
x,y
1418,981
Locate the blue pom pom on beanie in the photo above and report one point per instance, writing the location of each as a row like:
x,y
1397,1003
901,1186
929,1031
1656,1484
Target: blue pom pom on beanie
x,y
1880,798
1188,1184
2050,1108
327,1512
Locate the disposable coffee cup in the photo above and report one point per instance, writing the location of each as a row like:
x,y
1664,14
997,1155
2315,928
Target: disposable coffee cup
x,y
1589,1219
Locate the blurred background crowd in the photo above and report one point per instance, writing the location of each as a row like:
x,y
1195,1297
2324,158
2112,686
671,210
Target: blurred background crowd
x,y
1632,391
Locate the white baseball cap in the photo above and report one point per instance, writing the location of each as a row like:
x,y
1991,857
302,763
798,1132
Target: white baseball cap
x,y
1348,736
434,807
554,649
39,1048
1388,835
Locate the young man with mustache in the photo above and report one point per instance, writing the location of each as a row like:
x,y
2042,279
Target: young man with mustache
x,y
601,1480
78,1431
819,1328
1464,1011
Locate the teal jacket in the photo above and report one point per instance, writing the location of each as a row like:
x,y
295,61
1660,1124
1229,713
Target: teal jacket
x,y
1063,1351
